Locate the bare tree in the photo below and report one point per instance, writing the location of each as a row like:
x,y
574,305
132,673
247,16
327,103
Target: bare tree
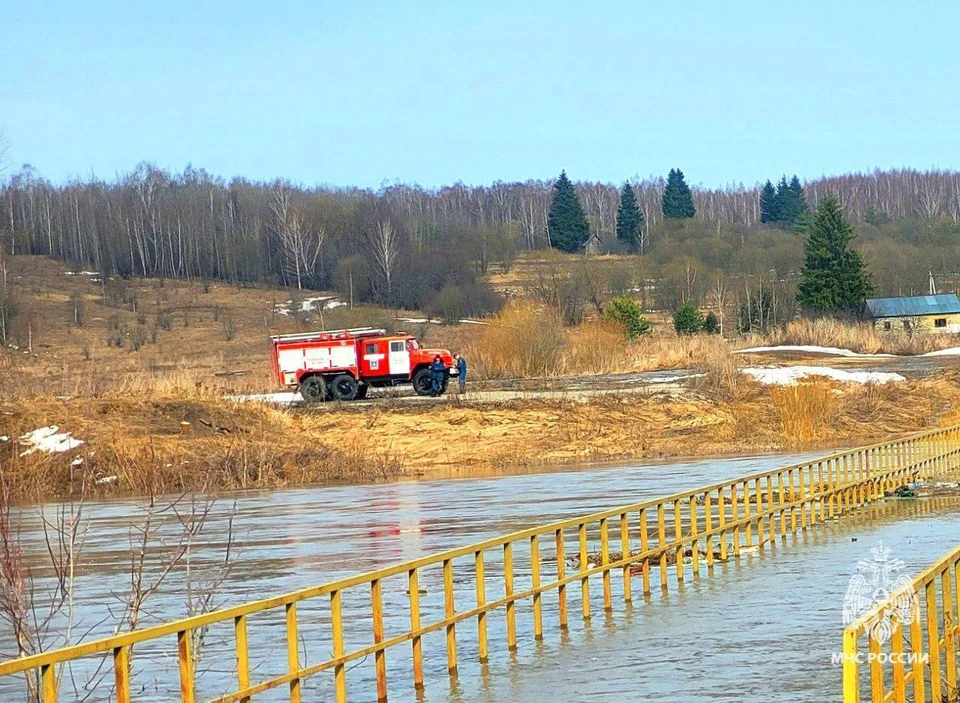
x,y
299,243
37,599
386,249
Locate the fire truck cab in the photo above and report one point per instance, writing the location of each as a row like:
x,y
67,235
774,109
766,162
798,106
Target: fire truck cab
x,y
344,364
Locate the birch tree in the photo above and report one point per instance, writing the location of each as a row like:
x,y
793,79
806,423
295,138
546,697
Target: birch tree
x,y
386,250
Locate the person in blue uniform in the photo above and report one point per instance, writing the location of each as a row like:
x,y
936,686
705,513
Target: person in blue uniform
x,y
438,373
461,365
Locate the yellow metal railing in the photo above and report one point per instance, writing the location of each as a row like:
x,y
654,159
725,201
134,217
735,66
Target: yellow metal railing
x,y
911,641
704,525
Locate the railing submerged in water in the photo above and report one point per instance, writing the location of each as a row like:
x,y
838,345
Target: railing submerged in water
x,y
705,525
912,641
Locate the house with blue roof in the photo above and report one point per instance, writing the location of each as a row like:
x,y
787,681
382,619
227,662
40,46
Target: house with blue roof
x,y
916,313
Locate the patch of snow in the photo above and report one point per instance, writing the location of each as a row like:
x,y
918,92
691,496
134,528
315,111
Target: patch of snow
x,y
278,398
673,379
81,273
4,438
789,375
419,320
48,439
810,348
309,304
473,322
107,479
952,351
78,461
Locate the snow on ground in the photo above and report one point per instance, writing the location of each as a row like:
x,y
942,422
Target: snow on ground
x,y
278,398
81,273
952,351
810,348
48,439
424,320
309,304
789,375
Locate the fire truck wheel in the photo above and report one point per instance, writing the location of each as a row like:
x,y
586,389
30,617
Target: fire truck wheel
x,y
362,391
344,387
422,383
313,389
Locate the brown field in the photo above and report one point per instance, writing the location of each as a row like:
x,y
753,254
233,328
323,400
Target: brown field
x,y
206,342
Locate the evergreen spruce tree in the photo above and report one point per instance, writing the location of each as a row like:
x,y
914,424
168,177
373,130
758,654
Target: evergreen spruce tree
x,y
794,206
834,277
629,217
566,222
677,198
768,203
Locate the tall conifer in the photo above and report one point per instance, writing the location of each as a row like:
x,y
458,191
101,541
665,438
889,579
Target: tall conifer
x,y
566,222
677,198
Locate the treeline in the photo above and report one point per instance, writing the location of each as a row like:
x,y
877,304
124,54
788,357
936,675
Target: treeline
x,y
408,246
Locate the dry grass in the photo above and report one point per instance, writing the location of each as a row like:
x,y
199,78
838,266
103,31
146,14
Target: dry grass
x,y
857,336
528,341
806,412
138,440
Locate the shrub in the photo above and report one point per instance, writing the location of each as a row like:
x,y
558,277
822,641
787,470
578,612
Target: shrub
x,y
711,323
229,328
138,338
687,319
628,314
523,341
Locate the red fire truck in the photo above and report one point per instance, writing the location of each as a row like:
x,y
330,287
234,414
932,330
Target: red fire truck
x,y
343,364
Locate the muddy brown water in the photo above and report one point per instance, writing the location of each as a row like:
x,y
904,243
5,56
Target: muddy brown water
x,y
761,628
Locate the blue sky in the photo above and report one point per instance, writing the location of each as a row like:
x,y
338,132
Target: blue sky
x,y
362,93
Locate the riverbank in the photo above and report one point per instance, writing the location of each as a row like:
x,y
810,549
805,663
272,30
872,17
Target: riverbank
x,y
180,439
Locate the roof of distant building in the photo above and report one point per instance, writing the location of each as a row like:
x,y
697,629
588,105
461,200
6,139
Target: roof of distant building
x,y
914,305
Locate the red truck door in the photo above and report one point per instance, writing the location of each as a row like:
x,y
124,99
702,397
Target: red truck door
x,y
373,359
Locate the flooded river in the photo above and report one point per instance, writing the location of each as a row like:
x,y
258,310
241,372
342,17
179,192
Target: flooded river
x,y
766,623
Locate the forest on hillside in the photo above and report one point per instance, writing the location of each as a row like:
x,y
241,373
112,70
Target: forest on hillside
x,y
412,247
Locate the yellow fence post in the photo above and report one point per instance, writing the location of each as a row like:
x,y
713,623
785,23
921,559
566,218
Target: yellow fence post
x,y
293,651
949,629
584,567
747,512
694,538
185,658
851,668
561,575
644,547
48,683
336,625
625,552
896,653
678,538
708,528
933,637
605,562
771,521
380,657
722,515
413,579
508,592
535,582
242,654
481,601
121,673
449,610
735,516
